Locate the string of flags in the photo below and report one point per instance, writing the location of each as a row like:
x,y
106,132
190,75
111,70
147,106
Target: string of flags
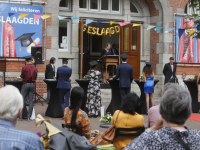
x,y
36,16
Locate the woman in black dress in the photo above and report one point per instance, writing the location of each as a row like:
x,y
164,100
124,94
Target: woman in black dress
x,y
105,51
50,74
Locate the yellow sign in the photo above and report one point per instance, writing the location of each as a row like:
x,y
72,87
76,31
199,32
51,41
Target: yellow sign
x,y
96,31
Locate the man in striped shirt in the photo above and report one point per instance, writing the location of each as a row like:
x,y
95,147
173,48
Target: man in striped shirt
x,y
11,104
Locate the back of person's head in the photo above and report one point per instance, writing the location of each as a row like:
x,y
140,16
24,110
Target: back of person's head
x,y
175,105
130,103
148,70
11,101
124,59
76,98
52,60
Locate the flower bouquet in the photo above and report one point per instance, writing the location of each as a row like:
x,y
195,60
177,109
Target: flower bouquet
x,y
106,119
141,77
85,77
45,140
190,78
54,78
19,78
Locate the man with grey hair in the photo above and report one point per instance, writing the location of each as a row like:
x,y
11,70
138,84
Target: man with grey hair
x,y
169,131
11,104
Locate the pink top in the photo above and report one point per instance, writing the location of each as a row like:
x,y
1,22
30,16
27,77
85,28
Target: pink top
x,y
153,115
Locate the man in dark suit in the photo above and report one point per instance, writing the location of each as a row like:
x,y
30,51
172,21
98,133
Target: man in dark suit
x,y
125,75
50,74
169,70
64,85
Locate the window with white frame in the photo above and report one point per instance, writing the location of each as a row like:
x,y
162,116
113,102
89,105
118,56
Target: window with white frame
x,y
65,5
101,6
134,8
64,35
189,10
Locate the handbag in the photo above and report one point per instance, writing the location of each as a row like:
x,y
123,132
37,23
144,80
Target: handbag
x,y
109,134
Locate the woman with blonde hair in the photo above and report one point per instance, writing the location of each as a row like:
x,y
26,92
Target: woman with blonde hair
x,y
148,74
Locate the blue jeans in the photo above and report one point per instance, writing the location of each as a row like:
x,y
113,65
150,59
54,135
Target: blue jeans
x,y
64,98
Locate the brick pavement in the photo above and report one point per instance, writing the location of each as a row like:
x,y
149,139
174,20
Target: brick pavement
x,y
39,109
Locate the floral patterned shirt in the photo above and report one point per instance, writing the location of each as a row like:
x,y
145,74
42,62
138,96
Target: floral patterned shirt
x,y
162,140
82,120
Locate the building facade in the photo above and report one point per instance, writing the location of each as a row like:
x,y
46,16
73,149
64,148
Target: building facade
x,y
81,47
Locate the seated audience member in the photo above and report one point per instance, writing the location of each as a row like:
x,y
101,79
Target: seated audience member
x,y
153,112
175,109
128,118
73,115
182,79
11,104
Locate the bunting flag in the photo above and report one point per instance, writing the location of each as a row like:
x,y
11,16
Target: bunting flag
x,y
180,32
112,22
37,17
136,25
22,15
100,21
169,30
150,27
10,14
46,16
74,18
123,23
61,17
191,32
88,21
158,28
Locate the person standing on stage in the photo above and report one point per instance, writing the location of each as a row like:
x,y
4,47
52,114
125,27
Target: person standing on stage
x,y
93,93
64,85
29,76
169,70
125,75
50,74
105,51
148,75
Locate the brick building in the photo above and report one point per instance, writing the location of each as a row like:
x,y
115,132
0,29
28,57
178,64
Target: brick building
x,y
145,45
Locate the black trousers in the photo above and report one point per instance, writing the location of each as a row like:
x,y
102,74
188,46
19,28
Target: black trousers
x,y
124,92
28,90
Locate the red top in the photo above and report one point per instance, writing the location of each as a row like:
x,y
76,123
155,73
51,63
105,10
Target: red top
x,y
29,73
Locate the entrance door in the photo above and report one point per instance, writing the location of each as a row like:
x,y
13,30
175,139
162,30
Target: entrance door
x,y
130,45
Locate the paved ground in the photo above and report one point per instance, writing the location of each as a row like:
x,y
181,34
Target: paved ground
x,y
39,109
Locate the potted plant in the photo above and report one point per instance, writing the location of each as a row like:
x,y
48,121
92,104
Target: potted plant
x,y
141,77
19,78
85,77
106,119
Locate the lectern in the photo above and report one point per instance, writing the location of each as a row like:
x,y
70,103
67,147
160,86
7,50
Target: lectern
x,y
110,60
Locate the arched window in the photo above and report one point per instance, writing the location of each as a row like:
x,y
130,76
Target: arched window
x,y
189,10
134,8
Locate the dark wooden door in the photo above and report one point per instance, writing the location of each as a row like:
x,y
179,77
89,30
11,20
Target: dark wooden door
x,y
130,45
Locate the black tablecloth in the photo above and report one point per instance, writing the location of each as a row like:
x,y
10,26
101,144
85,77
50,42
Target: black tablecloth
x,y
18,84
116,98
54,109
143,107
192,87
84,84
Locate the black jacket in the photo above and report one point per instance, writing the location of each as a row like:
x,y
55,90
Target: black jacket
x,y
167,71
49,73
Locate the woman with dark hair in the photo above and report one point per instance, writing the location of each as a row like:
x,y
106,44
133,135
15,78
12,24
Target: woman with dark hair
x,y
93,103
128,118
50,73
197,77
105,51
73,115
148,75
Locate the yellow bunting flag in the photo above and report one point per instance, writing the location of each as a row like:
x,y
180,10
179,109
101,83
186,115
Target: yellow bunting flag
x,y
112,22
22,15
191,32
45,16
136,25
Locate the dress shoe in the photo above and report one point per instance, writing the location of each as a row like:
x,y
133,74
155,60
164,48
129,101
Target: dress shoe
x,y
30,119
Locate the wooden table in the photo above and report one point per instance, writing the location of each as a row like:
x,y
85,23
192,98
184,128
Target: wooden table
x,y
192,87
54,109
143,107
